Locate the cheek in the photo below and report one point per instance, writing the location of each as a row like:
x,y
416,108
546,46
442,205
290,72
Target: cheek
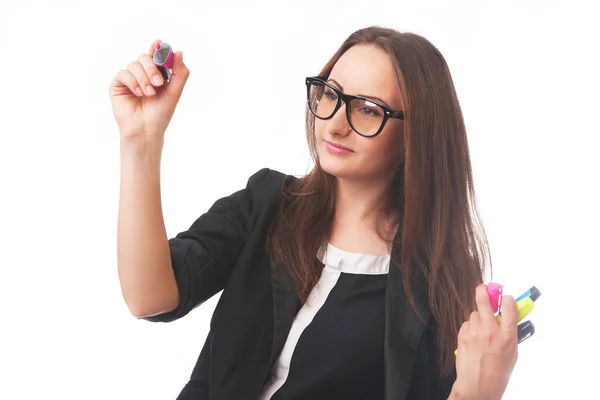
x,y
320,127
384,150
394,140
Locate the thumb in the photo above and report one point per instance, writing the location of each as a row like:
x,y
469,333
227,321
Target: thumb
x,y
179,77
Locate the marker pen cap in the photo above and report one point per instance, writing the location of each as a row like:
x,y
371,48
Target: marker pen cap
x,y
525,331
163,55
163,58
495,292
533,292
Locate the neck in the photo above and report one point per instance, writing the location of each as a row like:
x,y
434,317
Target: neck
x,y
358,202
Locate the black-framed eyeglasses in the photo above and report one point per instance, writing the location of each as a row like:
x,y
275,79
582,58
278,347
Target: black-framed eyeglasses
x,y
367,117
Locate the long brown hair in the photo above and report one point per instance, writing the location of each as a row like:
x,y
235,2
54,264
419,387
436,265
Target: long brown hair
x,y
440,233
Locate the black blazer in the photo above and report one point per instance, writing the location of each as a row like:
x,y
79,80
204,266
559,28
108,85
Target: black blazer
x,y
224,249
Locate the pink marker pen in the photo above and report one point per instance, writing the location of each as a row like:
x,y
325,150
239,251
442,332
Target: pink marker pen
x,y
163,59
495,292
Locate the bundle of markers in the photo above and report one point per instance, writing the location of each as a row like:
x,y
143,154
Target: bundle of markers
x,y
525,304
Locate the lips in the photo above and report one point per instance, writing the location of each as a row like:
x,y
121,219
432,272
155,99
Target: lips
x,y
339,146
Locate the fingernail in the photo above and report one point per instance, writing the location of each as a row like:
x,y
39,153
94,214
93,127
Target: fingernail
x,y
150,90
157,80
139,92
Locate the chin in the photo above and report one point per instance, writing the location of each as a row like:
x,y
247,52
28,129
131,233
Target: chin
x,y
339,167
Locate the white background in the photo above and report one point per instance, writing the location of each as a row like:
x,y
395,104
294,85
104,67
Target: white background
x,y
526,76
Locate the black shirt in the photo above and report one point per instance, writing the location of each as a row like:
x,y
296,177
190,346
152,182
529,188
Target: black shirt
x,y
334,349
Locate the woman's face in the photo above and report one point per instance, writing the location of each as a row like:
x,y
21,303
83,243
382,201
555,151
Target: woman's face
x,y
368,71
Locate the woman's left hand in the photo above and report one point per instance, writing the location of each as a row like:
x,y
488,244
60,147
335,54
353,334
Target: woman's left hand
x,y
487,350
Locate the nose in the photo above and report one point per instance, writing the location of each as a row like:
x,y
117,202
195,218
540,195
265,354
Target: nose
x,y
338,124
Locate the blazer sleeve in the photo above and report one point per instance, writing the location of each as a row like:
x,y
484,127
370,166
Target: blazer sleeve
x,y
204,255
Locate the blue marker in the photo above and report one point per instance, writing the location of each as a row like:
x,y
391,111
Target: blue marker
x,y
534,293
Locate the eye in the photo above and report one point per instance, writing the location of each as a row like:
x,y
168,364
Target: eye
x,y
370,111
330,95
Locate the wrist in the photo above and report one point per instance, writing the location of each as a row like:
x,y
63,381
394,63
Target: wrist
x,y
142,145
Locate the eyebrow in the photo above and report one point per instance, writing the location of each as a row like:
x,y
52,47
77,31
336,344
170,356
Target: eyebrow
x,y
363,95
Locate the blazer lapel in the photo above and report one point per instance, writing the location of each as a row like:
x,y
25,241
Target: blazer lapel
x,y
403,331
286,304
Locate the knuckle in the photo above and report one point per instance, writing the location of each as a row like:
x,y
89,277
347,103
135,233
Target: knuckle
x,y
481,293
474,315
144,58
509,341
149,67
127,75
487,336
132,65
473,335
505,344
124,77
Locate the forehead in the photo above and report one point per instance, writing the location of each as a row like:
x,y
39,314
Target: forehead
x,y
367,70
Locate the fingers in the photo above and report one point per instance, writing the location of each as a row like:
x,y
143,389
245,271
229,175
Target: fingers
x,y
464,328
484,307
151,69
137,70
142,76
463,333
125,79
509,315
475,325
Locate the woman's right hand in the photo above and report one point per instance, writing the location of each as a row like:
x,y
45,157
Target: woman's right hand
x,y
143,106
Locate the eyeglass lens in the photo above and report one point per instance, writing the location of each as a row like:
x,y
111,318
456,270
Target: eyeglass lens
x,y
365,117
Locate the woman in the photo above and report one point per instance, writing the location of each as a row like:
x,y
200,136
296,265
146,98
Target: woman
x,y
356,281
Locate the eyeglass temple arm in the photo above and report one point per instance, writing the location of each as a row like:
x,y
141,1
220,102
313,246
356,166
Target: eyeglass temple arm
x,y
397,114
